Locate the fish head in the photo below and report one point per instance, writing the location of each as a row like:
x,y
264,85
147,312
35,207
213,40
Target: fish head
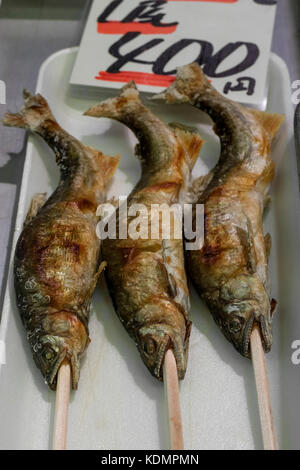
x,y
63,336
244,304
154,340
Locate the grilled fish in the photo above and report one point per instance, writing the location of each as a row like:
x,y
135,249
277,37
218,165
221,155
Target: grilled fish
x,y
56,263
146,277
230,271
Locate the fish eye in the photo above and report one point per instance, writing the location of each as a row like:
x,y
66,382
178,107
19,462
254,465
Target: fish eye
x,y
150,346
235,325
48,354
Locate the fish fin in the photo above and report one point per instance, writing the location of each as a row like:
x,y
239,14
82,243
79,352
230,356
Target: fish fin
x,y
114,107
270,122
268,244
190,139
176,279
33,114
37,202
101,268
273,307
107,164
251,248
114,202
267,202
247,240
200,184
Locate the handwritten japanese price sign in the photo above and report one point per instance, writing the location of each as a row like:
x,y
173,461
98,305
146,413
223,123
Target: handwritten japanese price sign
x,y
146,40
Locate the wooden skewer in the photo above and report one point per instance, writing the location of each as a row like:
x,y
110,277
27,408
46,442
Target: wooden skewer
x,y
172,394
62,407
263,391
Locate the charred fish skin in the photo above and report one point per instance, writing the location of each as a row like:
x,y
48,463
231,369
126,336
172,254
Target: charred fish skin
x,y
146,277
57,254
230,272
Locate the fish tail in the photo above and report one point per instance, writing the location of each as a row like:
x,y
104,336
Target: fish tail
x,y
190,82
270,122
190,139
36,116
114,108
32,115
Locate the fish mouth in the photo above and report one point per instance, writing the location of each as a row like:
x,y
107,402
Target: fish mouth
x,y
265,335
51,377
179,354
74,364
165,345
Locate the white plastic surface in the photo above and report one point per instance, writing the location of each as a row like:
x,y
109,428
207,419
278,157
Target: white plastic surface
x,y
119,405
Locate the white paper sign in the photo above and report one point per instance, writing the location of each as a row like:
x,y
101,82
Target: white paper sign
x,y
145,40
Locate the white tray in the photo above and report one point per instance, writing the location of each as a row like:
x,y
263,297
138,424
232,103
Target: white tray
x,y
119,405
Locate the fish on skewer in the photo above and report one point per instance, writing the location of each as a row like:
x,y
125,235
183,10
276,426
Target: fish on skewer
x,y
56,263
230,271
146,277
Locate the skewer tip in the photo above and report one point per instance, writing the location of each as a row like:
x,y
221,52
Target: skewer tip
x,y
172,394
62,406
263,391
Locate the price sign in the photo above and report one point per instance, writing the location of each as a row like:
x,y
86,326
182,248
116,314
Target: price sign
x,y
146,40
